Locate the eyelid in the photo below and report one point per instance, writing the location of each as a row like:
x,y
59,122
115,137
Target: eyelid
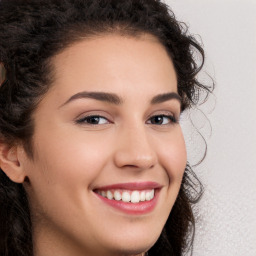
x,y
82,120
165,113
95,113
102,114
172,119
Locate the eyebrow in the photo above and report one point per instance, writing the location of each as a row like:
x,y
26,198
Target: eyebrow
x,y
101,96
112,98
165,97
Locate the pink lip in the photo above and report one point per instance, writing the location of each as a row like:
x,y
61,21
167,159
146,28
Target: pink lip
x,y
132,186
132,208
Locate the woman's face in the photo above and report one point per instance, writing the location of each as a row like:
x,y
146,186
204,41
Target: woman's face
x,y
109,153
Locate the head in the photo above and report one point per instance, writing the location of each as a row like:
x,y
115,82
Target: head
x,y
89,110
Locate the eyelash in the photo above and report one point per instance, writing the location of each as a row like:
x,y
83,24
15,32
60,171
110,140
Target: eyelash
x,y
84,120
172,119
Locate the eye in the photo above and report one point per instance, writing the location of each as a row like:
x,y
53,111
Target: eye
x,y
93,120
162,120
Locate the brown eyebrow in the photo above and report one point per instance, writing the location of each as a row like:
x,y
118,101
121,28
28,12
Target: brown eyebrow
x,y
165,97
101,96
116,100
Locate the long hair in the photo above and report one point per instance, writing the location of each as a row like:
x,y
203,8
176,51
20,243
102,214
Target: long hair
x,y
32,32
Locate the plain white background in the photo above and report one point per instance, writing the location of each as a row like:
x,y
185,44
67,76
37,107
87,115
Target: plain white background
x,y
227,212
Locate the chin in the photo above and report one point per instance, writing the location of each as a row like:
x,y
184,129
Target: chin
x,y
134,250
134,245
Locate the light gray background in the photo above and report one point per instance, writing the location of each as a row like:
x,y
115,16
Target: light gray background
x,y
227,212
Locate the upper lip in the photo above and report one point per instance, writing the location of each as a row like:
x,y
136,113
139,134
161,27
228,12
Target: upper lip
x,y
132,186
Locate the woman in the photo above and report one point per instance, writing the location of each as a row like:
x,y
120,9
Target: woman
x,y
93,160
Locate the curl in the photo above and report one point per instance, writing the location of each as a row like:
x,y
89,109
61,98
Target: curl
x,y
15,235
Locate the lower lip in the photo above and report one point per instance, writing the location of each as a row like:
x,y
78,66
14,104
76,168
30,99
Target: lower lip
x,y
132,208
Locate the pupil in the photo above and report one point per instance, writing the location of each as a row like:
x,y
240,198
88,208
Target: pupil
x,y
158,120
93,120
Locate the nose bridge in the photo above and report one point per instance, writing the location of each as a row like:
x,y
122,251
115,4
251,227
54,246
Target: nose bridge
x,y
134,148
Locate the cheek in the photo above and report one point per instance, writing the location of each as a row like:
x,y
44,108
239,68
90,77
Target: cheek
x,y
71,158
63,172
173,156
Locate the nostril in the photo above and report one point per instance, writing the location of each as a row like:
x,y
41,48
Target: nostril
x,y
135,151
139,167
135,162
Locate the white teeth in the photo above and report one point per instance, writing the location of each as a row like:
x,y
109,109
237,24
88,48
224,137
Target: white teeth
x,y
126,197
143,196
109,195
117,195
135,197
150,195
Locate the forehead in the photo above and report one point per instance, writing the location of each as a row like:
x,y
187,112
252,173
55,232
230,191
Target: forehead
x,y
114,63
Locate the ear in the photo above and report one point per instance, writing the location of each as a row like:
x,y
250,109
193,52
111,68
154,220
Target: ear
x,y
10,162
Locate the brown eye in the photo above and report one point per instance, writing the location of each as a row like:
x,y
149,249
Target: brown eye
x,y
162,120
93,120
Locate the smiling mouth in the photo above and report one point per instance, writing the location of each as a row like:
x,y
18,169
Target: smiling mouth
x,y
127,196
130,198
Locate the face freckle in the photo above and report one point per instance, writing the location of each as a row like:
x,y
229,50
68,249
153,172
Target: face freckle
x,y
102,166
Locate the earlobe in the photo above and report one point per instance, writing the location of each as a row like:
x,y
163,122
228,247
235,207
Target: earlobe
x,y
10,163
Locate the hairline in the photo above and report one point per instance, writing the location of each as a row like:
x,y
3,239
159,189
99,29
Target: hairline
x,y
114,30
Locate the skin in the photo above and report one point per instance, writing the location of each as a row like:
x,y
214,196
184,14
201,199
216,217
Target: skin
x,y
72,159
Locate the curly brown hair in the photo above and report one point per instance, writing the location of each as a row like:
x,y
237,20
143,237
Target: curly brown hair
x,y
31,33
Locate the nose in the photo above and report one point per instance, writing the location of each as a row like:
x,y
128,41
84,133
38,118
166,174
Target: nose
x,y
134,149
